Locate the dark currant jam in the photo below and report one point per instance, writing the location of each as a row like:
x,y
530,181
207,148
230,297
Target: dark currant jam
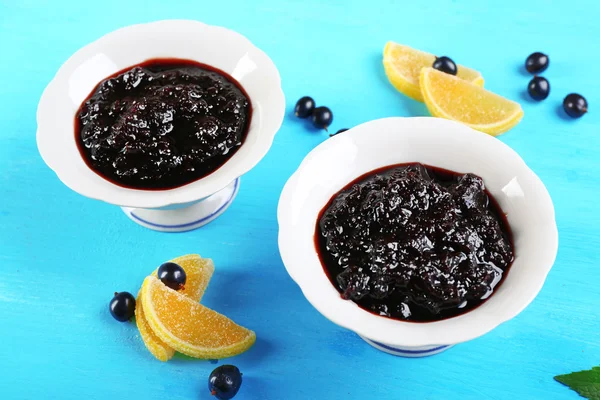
x,y
162,124
414,243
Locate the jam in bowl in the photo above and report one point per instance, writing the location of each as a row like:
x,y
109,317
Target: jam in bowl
x,y
162,124
414,243
416,233
161,119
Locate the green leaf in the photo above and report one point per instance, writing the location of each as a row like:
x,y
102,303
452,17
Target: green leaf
x,y
586,383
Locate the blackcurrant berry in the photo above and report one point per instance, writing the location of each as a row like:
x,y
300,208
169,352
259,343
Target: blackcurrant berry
x,y
225,381
322,117
338,132
537,62
445,64
172,275
122,306
575,105
304,107
538,88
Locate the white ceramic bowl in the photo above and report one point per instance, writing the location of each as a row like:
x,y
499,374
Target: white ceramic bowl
x,y
436,142
176,209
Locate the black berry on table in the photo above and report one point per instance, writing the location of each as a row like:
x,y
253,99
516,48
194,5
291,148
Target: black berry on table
x,y
575,105
538,88
338,132
322,117
224,382
537,62
122,306
304,107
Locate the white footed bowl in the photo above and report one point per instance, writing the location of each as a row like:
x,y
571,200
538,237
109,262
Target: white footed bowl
x,y
195,204
440,143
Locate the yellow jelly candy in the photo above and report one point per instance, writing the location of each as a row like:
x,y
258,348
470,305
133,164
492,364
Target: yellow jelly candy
x,y
447,96
403,66
198,272
189,327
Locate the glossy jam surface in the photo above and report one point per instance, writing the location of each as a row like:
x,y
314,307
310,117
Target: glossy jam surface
x,y
414,243
162,124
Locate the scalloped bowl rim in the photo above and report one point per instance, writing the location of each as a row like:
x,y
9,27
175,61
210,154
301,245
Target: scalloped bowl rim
x,y
380,137
259,77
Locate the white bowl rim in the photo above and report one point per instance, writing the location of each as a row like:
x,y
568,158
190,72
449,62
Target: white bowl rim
x,y
393,332
104,190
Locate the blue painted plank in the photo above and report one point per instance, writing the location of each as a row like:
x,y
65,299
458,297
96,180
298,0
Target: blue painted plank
x,y
63,255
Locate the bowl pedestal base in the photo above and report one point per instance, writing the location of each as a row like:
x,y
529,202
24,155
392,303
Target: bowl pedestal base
x,y
411,352
188,216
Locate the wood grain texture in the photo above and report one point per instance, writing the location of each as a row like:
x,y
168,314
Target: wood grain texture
x,y
62,255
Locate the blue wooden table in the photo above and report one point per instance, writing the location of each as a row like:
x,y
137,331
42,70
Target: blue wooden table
x,y
63,255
